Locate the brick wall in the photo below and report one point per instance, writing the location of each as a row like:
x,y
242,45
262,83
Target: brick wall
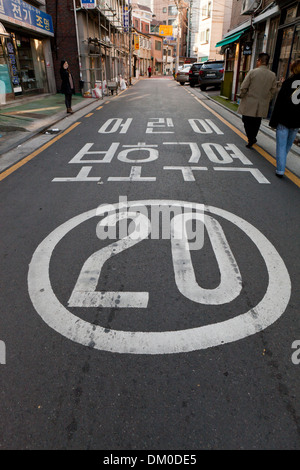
x,y
64,44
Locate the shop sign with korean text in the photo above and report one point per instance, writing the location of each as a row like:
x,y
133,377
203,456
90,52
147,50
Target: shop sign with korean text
x,y
88,3
25,15
126,18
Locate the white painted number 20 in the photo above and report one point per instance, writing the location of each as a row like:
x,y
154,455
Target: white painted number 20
x,y
244,324
85,294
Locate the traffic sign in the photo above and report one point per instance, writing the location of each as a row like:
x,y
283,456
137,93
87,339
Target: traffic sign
x,y
165,30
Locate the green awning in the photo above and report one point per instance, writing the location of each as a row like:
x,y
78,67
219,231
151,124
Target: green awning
x,y
230,39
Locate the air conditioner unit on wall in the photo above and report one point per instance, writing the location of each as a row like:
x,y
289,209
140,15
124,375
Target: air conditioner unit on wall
x,y
249,6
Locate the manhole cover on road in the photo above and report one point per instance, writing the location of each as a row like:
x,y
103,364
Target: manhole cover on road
x,y
58,317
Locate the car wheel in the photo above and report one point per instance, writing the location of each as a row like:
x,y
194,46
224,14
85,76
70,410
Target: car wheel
x,y
202,87
192,84
181,83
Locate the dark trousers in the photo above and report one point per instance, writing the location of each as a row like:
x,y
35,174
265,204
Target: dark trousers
x,y
68,100
252,125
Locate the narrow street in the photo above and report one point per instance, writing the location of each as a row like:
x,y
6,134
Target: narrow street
x,y
125,330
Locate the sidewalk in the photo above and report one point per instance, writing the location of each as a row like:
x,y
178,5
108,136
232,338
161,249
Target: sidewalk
x,y
25,118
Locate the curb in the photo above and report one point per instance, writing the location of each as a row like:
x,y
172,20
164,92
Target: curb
x,y
26,134
14,142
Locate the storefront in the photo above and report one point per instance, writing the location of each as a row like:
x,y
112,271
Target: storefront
x,y
26,66
288,42
242,46
237,50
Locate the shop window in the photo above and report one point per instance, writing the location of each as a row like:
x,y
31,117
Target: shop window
x,y
26,63
39,64
5,83
286,46
296,46
291,14
272,40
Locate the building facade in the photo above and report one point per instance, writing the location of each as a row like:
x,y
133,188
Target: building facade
x,y
26,66
157,47
208,21
259,26
174,14
94,39
141,25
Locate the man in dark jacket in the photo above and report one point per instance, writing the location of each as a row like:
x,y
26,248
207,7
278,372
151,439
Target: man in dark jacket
x,y
286,116
67,84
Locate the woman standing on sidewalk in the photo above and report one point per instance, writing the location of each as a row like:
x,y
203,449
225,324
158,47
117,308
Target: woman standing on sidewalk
x,y
67,84
286,117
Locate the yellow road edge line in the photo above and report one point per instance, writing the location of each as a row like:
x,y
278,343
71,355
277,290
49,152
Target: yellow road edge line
x,y
100,107
22,162
89,115
262,152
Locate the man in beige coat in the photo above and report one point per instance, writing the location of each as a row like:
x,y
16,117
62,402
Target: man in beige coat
x,y
257,90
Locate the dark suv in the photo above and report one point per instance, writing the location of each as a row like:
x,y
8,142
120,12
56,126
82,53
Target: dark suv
x,y
211,74
194,73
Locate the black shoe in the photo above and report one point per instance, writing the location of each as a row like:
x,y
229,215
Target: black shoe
x,y
250,143
278,175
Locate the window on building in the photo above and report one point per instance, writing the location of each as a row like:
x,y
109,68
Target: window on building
x,y
164,10
157,45
204,36
5,83
291,14
172,10
209,9
272,38
296,45
286,45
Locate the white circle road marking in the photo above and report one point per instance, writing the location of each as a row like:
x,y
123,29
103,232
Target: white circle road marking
x,y
268,310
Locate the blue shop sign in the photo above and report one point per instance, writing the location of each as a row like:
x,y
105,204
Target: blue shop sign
x,y
28,16
88,4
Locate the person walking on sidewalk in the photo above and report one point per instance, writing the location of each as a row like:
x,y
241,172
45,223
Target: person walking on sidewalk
x,y
286,116
67,85
149,71
257,91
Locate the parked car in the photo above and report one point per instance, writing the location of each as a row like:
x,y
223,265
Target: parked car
x,y
194,73
211,74
183,74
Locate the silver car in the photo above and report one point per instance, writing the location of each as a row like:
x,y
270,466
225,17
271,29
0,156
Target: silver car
x,y
183,74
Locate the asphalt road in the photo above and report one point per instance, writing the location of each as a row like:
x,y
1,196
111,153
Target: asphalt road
x,y
145,343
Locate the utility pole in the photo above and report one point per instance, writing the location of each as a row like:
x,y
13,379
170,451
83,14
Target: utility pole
x,y
77,39
130,40
178,38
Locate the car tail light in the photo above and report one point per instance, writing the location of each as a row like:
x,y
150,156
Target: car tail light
x,y
201,72
190,72
222,70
